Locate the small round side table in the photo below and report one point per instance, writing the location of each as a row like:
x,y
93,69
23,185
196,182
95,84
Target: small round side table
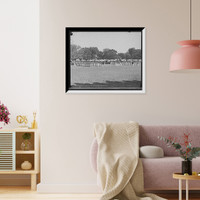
x,y
181,177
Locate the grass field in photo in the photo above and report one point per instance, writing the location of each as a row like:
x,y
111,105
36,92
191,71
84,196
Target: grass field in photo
x,y
106,77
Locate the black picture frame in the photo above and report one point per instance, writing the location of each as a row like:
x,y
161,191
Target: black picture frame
x,y
122,86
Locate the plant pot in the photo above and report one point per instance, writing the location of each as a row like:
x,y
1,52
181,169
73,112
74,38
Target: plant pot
x,y
187,167
1,125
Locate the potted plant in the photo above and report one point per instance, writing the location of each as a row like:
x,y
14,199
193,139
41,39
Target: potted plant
x,y
4,114
26,144
185,150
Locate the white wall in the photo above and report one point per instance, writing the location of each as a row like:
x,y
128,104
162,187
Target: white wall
x,y
19,64
19,57
67,120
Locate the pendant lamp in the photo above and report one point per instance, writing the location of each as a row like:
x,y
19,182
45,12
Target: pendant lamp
x,y
188,56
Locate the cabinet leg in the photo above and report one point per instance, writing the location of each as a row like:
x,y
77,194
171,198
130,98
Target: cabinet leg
x,y
33,181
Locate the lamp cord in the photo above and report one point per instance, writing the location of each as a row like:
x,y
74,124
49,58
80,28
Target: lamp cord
x,y
190,19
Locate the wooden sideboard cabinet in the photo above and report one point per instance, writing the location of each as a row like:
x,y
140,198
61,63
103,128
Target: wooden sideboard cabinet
x,y
12,156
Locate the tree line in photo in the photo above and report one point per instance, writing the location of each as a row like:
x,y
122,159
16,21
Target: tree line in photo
x,y
93,53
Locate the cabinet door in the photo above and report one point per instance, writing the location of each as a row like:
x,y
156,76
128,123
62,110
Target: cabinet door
x,y
7,151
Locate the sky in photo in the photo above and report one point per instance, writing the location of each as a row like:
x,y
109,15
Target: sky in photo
x,y
120,41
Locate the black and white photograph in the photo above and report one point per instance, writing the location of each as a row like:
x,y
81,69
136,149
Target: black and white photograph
x,y
104,59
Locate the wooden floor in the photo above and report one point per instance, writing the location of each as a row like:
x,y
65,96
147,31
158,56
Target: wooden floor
x,y
23,193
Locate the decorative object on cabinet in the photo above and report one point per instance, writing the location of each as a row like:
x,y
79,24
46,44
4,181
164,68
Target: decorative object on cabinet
x,y
105,59
22,120
34,124
188,56
4,114
26,165
26,144
19,156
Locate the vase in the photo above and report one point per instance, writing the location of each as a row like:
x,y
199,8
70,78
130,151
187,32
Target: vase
x,y
26,165
187,167
1,125
26,145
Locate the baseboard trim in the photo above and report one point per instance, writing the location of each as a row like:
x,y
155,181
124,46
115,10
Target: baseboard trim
x,y
68,188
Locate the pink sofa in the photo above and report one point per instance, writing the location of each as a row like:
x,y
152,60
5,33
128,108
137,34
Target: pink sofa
x,y
158,171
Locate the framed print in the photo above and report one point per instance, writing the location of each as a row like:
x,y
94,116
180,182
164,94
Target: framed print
x,y
105,60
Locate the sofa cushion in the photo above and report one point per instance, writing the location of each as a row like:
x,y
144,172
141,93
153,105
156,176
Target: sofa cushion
x,y
158,173
151,152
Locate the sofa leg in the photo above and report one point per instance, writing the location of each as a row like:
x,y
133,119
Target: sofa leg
x,y
180,189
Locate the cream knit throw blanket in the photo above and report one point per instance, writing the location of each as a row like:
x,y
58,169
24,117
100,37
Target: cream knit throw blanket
x,y
119,167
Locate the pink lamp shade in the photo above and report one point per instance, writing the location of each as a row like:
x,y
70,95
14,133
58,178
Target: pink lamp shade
x,y
186,57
